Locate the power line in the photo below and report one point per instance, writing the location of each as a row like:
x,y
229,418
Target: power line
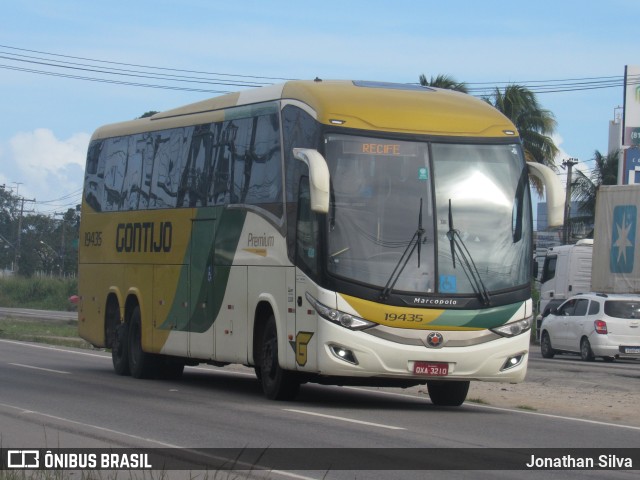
x,y
144,66
180,76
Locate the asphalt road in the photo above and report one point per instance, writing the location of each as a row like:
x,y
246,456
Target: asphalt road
x,y
54,397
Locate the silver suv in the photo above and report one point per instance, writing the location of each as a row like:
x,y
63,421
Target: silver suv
x,y
593,325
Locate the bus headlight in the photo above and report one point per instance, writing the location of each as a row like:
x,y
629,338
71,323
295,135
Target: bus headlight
x,y
514,328
346,320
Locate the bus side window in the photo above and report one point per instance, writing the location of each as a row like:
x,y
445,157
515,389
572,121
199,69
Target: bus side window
x,y
306,231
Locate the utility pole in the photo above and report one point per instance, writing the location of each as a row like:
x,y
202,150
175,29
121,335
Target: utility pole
x,y
17,253
62,244
568,164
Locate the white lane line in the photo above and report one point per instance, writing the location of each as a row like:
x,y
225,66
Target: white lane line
x,y
145,439
558,417
343,419
360,389
56,349
503,409
39,368
86,425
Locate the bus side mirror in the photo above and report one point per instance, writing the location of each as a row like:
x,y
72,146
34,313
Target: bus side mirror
x,y
318,178
554,192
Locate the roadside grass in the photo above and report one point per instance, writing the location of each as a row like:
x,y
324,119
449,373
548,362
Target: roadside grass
x,y
62,333
41,293
527,407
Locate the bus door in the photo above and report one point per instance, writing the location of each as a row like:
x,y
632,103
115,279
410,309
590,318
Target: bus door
x,y
307,261
201,288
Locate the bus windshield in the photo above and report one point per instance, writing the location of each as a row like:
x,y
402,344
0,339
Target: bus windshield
x,y
385,215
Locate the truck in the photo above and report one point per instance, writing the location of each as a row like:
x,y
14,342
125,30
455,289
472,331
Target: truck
x,y
616,260
566,271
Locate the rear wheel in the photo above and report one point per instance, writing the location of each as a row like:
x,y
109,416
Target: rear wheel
x,y
277,384
585,351
141,364
448,394
120,349
545,346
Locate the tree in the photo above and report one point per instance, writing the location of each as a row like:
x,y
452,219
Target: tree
x,y
444,81
535,124
585,188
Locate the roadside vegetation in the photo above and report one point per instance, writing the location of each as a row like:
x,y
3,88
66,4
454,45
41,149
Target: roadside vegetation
x,y
43,293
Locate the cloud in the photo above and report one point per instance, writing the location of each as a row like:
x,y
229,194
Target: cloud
x,y
46,167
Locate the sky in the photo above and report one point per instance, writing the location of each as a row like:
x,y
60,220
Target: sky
x,y
48,113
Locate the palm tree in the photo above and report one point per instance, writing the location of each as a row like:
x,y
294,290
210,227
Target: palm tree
x,y
444,81
535,124
585,188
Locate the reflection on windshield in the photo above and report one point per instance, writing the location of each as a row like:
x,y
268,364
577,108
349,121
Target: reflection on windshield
x,y
482,182
376,187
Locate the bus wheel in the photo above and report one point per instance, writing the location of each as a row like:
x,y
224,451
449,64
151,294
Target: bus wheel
x,y
277,384
448,394
120,349
141,364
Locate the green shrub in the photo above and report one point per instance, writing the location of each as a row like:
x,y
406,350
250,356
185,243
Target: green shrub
x,y
38,292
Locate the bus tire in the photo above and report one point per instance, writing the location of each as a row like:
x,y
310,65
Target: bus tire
x,y
277,384
141,364
120,349
448,394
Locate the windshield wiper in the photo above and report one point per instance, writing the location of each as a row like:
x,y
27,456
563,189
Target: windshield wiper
x,y
415,242
459,249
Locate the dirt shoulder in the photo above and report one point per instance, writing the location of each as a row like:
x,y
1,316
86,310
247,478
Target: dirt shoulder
x,y
597,391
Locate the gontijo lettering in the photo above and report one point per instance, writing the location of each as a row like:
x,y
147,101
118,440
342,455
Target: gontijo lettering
x,y
144,237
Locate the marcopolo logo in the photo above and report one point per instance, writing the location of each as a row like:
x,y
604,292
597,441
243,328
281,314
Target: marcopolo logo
x,y
623,239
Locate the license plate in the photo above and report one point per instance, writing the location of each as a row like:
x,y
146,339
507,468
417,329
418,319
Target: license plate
x,y
631,349
431,369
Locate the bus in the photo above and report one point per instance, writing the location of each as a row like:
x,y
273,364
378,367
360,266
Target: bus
x,y
333,232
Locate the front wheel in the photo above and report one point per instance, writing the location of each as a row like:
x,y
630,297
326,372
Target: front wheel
x,y
277,384
448,394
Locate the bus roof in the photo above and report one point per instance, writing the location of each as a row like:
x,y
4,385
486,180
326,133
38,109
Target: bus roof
x,y
401,108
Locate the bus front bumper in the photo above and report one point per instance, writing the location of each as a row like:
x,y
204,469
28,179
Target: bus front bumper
x,y
344,352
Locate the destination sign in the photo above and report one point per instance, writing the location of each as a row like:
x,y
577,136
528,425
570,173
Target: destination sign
x,y
391,149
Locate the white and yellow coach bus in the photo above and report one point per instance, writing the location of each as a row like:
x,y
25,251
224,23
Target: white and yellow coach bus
x,y
320,231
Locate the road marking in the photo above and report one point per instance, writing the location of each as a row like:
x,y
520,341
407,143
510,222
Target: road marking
x,y
39,368
504,409
558,417
87,425
145,439
343,419
56,349
360,389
